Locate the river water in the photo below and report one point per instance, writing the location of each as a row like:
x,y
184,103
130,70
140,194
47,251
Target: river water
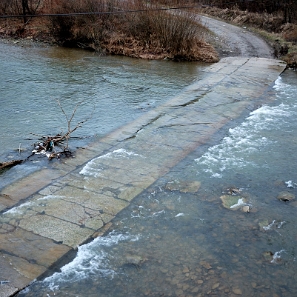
x,y
170,242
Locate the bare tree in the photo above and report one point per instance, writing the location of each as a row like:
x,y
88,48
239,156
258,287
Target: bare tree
x,y
29,7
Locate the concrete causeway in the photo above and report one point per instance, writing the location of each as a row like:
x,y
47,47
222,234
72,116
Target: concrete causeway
x,y
49,213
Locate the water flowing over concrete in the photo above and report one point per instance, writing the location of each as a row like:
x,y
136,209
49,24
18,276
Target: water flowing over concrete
x,y
49,213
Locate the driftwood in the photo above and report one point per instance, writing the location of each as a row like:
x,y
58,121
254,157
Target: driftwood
x,y
66,153
57,139
45,147
9,164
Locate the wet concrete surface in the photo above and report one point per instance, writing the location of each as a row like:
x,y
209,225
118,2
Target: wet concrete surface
x,y
50,212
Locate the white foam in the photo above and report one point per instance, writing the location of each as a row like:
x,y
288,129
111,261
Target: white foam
x,y
239,203
277,256
93,167
279,225
48,197
279,85
156,214
90,169
290,184
180,215
268,227
274,223
91,258
18,209
237,150
119,153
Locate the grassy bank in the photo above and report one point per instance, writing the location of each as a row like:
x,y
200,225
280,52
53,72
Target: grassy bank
x,y
281,36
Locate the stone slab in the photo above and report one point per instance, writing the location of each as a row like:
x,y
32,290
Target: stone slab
x,y
27,186
20,243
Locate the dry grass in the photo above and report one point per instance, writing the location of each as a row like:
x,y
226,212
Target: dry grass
x,y
145,34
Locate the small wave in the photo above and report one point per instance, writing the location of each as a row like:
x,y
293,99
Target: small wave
x,y
274,223
93,167
276,257
18,209
91,258
279,84
290,184
239,203
156,214
238,149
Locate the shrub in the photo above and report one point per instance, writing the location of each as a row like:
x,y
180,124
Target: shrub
x,y
139,28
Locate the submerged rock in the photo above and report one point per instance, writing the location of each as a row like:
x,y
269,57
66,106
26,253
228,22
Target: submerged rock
x,y
233,202
246,208
268,255
237,291
232,191
183,186
285,196
264,223
134,260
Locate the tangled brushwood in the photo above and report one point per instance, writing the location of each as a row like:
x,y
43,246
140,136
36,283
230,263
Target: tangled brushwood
x,y
135,29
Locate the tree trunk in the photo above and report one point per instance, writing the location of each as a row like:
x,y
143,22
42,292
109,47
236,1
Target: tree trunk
x,y
24,6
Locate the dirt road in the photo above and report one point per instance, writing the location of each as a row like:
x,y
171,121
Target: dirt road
x,y
231,41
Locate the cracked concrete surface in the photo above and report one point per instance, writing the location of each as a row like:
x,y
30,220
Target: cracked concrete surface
x,y
51,212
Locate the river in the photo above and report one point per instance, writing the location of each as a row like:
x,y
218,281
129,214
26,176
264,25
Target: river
x,y
170,242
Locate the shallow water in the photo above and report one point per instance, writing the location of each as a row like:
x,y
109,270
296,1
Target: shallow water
x,y
172,242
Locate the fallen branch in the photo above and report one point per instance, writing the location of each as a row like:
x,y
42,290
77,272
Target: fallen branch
x,y
9,164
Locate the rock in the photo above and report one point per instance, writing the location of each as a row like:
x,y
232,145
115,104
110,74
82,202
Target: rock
x,y
233,202
254,285
245,208
183,186
237,291
205,264
215,286
263,224
134,260
285,196
232,191
268,256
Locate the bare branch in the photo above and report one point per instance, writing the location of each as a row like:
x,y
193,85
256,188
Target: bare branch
x,y
66,136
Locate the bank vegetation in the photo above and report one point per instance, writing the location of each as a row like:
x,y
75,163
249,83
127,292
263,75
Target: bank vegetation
x,y
144,29
132,28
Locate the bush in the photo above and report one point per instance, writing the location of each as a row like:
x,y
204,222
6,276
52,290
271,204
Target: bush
x,y
290,32
147,31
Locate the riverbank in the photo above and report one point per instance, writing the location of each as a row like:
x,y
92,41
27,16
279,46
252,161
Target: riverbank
x,y
148,34
207,48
